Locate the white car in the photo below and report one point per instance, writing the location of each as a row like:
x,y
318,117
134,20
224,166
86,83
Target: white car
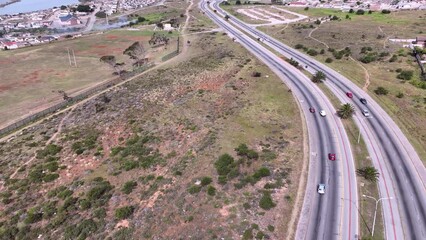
x,y
365,112
321,188
322,113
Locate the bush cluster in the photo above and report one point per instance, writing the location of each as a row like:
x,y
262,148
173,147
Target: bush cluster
x,y
266,201
124,212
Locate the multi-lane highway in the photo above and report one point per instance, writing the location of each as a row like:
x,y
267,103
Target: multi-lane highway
x,y
402,174
326,216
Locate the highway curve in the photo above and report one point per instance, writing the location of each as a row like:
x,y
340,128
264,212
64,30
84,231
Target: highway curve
x,y
402,174
327,217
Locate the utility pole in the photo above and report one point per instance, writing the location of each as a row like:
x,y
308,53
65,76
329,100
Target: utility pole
x,y
69,57
75,62
375,211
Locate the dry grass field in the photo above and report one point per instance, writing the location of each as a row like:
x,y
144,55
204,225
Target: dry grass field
x,y
142,160
32,76
405,102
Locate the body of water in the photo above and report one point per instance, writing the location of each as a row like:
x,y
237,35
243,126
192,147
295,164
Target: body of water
x,y
33,5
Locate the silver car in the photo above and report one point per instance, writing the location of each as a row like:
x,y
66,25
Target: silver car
x,y
365,112
321,188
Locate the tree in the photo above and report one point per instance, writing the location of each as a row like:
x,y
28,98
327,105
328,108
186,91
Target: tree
x,y
238,2
351,10
136,51
226,17
84,8
369,173
159,39
319,77
63,7
101,14
386,11
109,59
346,111
360,12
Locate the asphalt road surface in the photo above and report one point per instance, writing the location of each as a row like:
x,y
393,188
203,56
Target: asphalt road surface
x,y
402,181
327,216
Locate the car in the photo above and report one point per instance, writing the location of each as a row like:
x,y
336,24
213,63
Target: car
x,y
321,188
332,156
363,101
322,113
311,109
365,112
349,94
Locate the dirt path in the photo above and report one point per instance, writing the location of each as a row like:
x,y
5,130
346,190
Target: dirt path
x,y
52,138
323,43
366,75
282,28
185,26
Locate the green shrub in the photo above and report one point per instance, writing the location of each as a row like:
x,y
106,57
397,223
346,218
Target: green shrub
x,y
206,181
261,172
329,60
33,216
222,180
69,204
84,204
49,209
400,95
50,177
211,190
266,201
65,193
312,52
405,75
99,213
36,175
248,234
124,212
394,58
369,57
128,187
51,166
81,231
50,149
194,189
55,191
381,91
293,62
271,228
129,165
298,46
224,164
99,192
123,234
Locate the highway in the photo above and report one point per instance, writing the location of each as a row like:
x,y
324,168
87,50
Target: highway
x,y
327,217
402,174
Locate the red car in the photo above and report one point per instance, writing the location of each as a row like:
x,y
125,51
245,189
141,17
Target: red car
x,y
311,109
332,156
349,94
